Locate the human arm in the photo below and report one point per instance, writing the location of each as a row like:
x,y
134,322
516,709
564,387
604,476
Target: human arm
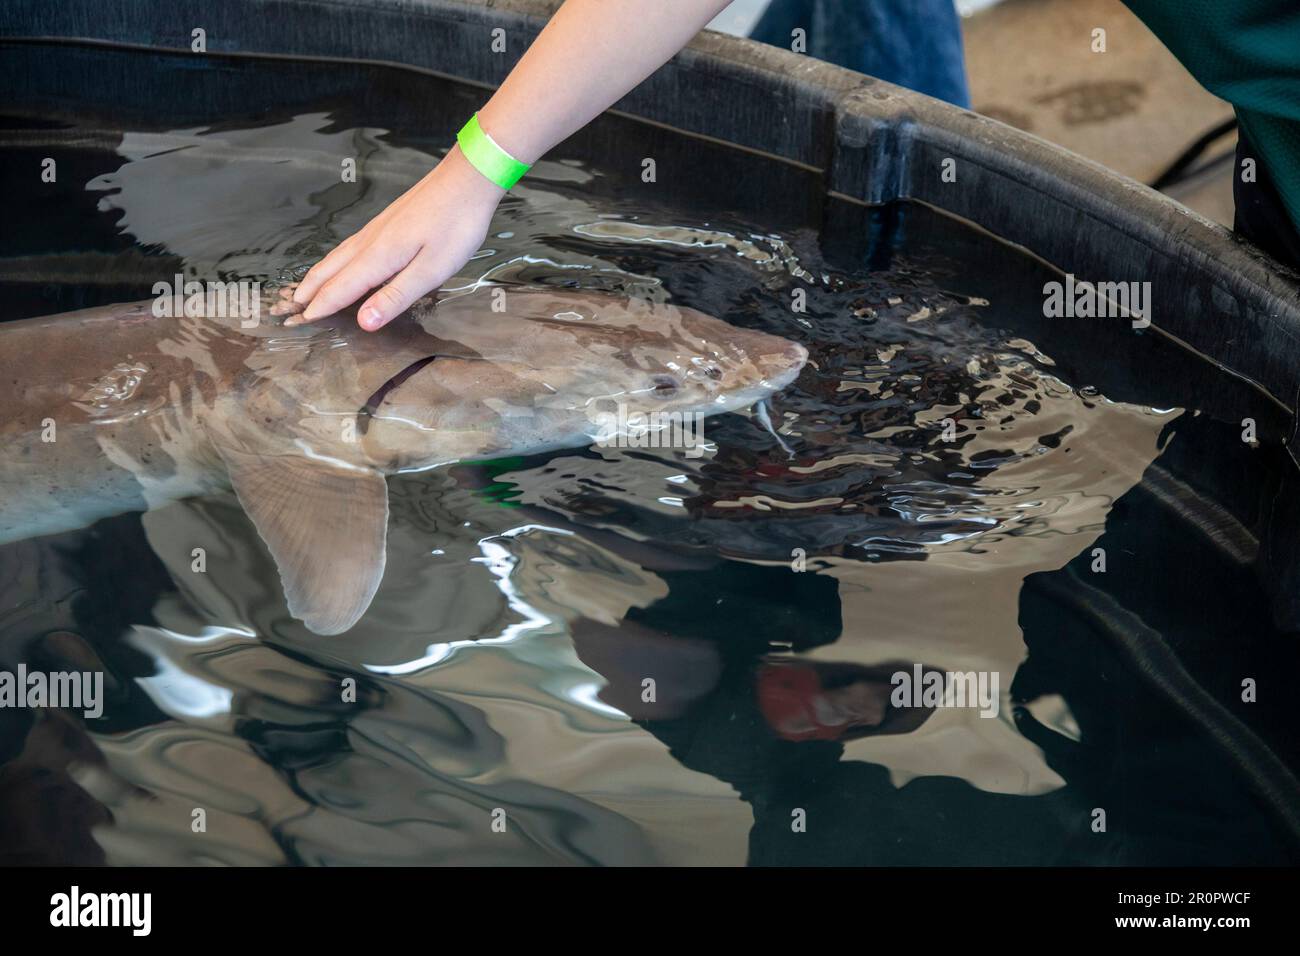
x,y
589,55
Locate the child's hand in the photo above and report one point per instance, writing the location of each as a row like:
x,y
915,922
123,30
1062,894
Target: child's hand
x,y
410,248
562,82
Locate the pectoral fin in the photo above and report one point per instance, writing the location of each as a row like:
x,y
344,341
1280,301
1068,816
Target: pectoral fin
x,y
325,525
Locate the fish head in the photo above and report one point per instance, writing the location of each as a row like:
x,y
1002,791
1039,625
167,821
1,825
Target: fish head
x,y
543,369
317,416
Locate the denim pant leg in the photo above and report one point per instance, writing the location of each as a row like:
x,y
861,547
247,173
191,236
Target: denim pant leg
x,y
913,43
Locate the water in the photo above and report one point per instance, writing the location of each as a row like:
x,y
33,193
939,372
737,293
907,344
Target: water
x,y
943,474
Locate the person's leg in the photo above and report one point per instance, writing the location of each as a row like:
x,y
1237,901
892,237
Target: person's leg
x,y
1260,216
913,43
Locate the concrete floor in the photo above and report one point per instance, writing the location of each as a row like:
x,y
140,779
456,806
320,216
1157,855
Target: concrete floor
x,y
1132,108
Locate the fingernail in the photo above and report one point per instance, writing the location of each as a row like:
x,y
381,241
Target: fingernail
x,y
310,312
370,318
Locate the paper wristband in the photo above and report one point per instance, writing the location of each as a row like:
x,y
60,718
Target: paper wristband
x,y
487,157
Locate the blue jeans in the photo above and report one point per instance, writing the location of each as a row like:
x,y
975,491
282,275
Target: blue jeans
x,y
913,43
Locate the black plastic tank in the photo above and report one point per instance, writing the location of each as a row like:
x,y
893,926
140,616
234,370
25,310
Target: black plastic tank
x,y
787,139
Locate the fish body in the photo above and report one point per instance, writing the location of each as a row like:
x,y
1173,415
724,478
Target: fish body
x,y
117,409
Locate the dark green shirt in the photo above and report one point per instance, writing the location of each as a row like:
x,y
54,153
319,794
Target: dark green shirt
x,y
1248,53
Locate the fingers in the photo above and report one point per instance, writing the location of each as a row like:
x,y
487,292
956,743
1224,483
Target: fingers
x,y
367,270
398,294
326,269
391,261
286,306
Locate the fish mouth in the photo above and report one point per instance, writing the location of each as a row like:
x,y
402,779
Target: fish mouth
x,y
779,369
788,367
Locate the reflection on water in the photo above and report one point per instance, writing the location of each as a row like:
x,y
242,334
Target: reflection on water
x,y
632,656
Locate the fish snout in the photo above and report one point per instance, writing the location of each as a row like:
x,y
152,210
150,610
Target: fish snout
x,y
781,367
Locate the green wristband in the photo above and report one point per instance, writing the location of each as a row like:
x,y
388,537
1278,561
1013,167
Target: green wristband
x,y
487,157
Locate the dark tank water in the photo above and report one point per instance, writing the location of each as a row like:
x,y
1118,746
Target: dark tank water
x,y
955,483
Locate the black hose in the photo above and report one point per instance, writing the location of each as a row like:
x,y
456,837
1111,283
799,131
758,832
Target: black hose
x,y
1175,171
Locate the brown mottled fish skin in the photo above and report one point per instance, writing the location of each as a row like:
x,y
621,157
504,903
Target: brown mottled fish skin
x,y
304,422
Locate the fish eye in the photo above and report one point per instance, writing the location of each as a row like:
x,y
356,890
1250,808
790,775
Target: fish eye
x,y
665,386
713,372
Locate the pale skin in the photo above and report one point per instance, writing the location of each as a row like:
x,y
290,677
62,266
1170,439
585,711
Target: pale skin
x,y
589,55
